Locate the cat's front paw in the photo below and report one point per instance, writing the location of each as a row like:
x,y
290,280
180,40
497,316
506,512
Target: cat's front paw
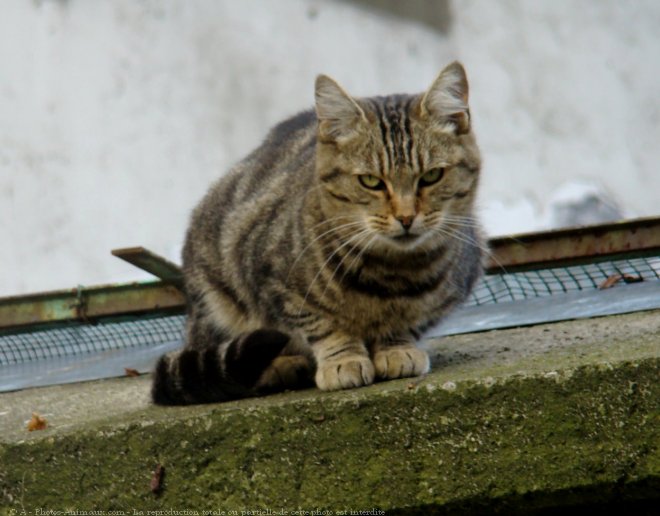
x,y
351,371
401,362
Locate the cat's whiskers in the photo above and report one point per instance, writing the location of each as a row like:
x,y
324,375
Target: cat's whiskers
x,y
365,236
330,220
357,234
435,218
378,223
462,220
325,233
359,255
473,223
448,231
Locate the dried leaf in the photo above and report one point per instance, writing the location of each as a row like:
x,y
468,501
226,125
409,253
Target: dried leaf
x,y
610,281
413,385
131,372
37,422
157,479
615,278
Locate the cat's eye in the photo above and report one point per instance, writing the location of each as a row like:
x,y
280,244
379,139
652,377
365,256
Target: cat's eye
x,y
371,182
432,176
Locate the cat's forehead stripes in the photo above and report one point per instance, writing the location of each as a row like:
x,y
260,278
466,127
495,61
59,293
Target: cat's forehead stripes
x,y
384,130
398,143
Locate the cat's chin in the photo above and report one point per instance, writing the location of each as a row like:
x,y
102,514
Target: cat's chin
x,y
406,239
402,242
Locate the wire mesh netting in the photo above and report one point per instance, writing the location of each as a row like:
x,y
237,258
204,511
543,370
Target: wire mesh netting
x,y
86,338
516,286
151,331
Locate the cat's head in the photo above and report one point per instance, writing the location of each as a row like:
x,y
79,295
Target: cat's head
x,y
401,171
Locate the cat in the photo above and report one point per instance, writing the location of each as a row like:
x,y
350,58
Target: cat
x,y
324,255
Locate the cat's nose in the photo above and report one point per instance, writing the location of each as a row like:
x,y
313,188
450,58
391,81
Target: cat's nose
x,y
406,221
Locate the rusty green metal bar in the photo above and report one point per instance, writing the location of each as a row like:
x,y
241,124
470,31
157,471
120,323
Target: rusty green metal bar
x,y
89,304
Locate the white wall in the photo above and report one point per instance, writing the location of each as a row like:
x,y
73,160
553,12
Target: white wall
x,y
116,115
566,95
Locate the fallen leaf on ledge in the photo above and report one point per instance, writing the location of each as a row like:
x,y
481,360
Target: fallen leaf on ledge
x,y
37,422
157,479
615,278
629,278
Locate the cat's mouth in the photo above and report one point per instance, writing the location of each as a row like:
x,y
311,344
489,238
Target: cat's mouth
x,y
405,238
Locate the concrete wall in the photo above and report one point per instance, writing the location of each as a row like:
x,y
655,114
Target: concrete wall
x,y
565,95
116,115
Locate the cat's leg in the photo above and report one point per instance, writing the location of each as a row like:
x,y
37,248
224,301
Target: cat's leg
x,y
399,358
342,362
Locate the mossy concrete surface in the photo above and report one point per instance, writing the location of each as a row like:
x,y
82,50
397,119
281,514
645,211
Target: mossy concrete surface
x,y
529,420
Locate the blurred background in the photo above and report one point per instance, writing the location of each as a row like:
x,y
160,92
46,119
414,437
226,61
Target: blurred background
x,y
116,115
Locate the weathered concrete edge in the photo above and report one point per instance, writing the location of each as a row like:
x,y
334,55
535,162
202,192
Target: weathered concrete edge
x,y
584,436
486,356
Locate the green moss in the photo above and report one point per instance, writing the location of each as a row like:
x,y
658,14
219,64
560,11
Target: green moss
x,y
590,436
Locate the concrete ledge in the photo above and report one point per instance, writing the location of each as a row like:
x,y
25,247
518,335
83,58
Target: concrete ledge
x,y
518,421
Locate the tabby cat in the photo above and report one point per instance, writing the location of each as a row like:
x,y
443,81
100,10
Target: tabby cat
x,y
325,254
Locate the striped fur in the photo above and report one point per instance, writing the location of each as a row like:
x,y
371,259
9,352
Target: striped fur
x,y
325,254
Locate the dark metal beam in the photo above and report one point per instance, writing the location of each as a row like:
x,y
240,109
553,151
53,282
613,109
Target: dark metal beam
x,y
572,246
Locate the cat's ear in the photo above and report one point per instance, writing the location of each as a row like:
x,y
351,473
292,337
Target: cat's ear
x,y
338,114
446,101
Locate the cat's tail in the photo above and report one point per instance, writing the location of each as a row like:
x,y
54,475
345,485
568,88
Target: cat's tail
x,y
218,373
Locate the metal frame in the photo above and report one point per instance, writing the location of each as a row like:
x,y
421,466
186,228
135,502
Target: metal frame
x,y
633,238
89,304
